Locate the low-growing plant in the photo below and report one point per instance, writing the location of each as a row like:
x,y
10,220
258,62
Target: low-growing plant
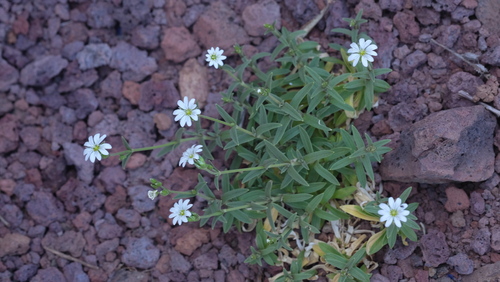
x,y
297,162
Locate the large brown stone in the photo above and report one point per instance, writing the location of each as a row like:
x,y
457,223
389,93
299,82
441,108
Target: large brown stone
x,y
452,145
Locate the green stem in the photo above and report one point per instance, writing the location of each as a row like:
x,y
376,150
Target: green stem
x,y
161,146
223,211
251,168
228,124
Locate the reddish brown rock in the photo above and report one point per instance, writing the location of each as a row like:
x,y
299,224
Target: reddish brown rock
x,y
408,28
215,28
8,75
178,44
256,15
457,199
432,153
14,244
7,186
9,137
131,91
192,241
193,82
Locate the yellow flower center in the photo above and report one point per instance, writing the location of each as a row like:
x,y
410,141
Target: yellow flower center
x,y
213,57
182,212
189,112
362,52
96,148
394,212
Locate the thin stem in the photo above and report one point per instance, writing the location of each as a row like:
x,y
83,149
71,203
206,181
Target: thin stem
x,y
251,168
223,211
161,146
228,124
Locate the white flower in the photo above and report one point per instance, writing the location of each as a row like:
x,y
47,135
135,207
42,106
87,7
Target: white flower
x,y
190,155
393,211
363,51
95,149
187,111
180,212
152,194
215,57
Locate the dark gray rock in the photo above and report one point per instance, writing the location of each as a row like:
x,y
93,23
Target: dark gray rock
x,y
141,253
430,153
8,75
41,71
134,64
44,208
461,263
140,200
74,272
481,241
434,248
48,274
93,56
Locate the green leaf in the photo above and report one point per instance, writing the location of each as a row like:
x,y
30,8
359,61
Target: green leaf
x,y
247,154
125,160
252,175
344,192
241,216
327,249
280,131
341,163
377,72
323,172
224,114
325,215
125,143
336,260
315,122
308,45
314,156
368,95
292,112
345,31
355,85
376,242
368,167
275,152
233,132
299,96
392,234
285,212
233,194
267,127
229,222
359,274
408,232
356,258
314,203
296,176
405,194
306,140
293,198
380,86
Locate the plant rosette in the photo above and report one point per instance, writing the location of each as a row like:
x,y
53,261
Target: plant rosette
x,y
296,160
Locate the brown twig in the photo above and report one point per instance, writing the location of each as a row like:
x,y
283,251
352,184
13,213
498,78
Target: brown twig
x,y
4,221
69,257
488,107
477,67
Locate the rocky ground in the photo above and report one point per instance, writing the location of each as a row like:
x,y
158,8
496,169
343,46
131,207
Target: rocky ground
x,y
70,69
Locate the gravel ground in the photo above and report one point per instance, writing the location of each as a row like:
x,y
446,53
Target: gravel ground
x,y
70,69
